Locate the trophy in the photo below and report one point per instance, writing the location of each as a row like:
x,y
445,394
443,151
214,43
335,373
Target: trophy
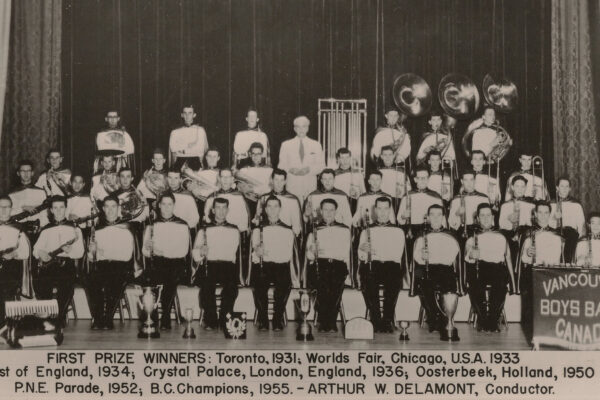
x,y
148,304
304,331
449,304
404,334
188,333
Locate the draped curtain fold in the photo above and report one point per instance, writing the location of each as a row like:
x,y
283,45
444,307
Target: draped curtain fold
x,y
4,45
32,112
147,58
575,116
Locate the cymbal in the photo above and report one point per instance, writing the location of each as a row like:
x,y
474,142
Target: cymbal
x,y
458,96
501,95
412,94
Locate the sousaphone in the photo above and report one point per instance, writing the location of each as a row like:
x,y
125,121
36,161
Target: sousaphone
x,y
458,96
412,94
502,94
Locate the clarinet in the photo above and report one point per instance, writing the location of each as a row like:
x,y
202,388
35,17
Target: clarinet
x,y
463,217
590,251
426,245
532,238
409,234
314,229
368,228
476,247
260,227
93,240
205,258
516,210
559,222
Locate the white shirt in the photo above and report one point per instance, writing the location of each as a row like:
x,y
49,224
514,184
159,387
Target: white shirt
x,y
572,215
243,140
483,138
343,213
583,250
367,202
488,186
53,238
278,244
169,239
188,141
13,238
394,182
114,243
524,208
351,183
289,157
333,241
443,249
238,209
387,243
472,201
387,136
441,185
29,197
186,209
80,206
548,248
419,204
290,213
223,242
493,247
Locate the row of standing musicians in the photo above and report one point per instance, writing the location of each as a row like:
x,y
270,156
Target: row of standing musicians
x,y
345,185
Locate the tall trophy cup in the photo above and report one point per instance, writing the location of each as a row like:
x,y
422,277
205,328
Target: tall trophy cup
x,y
449,304
188,333
304,331
404,334
148,305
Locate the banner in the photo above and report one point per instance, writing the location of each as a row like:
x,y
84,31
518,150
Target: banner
x,y
566,309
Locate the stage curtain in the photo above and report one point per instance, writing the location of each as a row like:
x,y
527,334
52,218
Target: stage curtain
x,y
32,110
4,43
575,116
148,58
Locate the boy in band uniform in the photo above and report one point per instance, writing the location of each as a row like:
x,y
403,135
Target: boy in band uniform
x,y
217,247
382,256
57,249
167,243
329,256
488,263
274,260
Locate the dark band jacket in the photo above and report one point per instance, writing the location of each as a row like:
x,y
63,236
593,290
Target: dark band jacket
x,y
13,239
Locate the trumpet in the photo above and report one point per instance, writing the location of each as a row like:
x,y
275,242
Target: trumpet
x,y
493,190
537,167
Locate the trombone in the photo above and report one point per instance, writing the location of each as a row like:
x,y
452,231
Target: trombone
x,y
537,168
447,182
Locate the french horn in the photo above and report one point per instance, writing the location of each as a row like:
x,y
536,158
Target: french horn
x,y
196,184
132,204
412,94
62,179
458,96
156,182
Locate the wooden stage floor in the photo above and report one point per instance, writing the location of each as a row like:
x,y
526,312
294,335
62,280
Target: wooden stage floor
x,y
79,336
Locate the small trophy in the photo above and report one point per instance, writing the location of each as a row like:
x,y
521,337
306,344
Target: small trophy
x,y
403,333
148,304
304,331
188,333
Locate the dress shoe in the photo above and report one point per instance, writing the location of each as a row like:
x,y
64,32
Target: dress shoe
x,y
387,327
165,325
108,324
96,325
263,326
277,326
333,327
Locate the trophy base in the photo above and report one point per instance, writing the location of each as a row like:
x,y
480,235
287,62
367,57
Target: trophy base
x,y
189,335
449,335
304,333
404,337
148,335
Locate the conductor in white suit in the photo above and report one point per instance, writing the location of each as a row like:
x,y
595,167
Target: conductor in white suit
x,y
302,158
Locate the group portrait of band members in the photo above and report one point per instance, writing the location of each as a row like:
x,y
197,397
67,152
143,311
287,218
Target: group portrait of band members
x,y
221,219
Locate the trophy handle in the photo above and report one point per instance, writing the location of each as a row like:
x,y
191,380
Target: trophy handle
x,y
160,289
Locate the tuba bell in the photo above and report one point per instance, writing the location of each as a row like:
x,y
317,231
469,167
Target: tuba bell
x,y
501,95
132,204
156,182
412,94
196,184
62,179
458,96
